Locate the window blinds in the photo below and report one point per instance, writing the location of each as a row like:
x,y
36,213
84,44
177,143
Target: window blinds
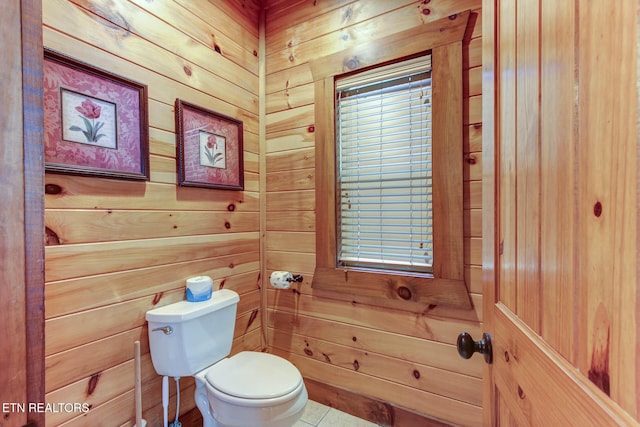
x,y
384,162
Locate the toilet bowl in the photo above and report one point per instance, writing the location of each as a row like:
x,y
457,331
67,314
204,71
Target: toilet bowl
x,y
252,389
247,389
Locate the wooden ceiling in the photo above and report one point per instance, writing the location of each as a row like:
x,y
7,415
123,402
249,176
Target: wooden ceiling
x,y
251,9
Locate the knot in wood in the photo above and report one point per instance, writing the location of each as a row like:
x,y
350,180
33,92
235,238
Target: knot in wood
x,y
597,209
404,292
93,383
352,63
52,189
157,297
51,237
231,207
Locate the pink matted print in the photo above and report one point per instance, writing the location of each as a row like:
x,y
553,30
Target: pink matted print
x,y
95,122
209,149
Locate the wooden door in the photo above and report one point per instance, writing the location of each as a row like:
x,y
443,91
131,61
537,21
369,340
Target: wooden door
x,y
21,214
560,253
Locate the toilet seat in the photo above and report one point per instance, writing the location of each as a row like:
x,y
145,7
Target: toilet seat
x,y
253,378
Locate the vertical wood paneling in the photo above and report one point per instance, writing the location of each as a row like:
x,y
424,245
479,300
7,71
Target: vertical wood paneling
x,y
33,130
557,134
263,169
568,158
13,375
334,328
447,200
119,248
607,191
507,131
528,161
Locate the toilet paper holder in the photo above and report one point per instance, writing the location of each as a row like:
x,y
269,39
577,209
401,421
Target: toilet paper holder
x,y
284,279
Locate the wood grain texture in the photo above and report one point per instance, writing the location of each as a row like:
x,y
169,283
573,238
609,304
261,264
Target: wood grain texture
x,y
309,313
381,413
100,33
13,375
573,400
215,62
447,167
436,406
557,125
607,201
394,46
404,17
447,286
486,276
33,130
565,274
116,249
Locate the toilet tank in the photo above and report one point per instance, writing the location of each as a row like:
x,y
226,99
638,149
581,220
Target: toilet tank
x,y
186,337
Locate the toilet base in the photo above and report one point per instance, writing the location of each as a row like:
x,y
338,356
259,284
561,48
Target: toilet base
x,y
202,402
227,415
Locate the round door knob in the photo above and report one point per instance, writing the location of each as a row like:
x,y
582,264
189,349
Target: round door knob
x,y
467,346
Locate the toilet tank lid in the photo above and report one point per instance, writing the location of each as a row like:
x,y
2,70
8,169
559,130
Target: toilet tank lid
x,y
185,310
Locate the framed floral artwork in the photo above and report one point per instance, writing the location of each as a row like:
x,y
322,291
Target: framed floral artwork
x,y
209,149
95,122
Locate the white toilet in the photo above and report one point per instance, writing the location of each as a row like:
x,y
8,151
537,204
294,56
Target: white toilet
x,y
247,389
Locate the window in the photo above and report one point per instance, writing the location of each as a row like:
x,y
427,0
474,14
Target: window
x,y
383,148
419,260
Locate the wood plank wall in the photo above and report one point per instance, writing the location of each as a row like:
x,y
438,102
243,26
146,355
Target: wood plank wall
x,y
405,359
115,248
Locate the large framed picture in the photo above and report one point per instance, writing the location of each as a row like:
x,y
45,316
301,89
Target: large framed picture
x,y
95,122
209,148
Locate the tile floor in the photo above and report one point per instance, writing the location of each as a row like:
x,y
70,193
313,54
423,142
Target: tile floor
x,y
319,415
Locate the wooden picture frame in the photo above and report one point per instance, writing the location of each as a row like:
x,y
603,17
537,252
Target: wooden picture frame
x,y
209,148
95,122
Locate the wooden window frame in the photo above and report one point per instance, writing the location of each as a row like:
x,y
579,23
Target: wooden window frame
x,y
396,289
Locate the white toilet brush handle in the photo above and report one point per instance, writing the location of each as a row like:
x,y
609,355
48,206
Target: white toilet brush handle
x,y
138,383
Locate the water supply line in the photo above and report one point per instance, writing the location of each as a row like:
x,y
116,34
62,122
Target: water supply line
x,y
165,400
177,423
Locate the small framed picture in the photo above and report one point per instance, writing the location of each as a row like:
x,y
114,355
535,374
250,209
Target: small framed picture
x,y
95,122
209,149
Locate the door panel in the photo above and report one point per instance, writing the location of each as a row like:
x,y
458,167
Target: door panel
x,y
557,130
560,262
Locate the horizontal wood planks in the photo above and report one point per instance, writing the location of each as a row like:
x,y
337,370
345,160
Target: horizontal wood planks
x,y
406,359
116,248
